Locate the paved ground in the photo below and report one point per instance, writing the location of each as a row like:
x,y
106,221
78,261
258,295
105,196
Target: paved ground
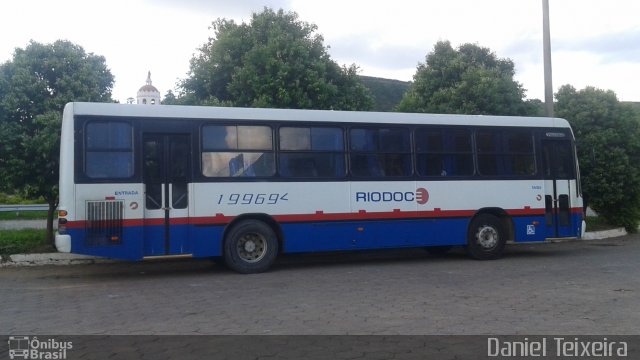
x,y
567,288
24,224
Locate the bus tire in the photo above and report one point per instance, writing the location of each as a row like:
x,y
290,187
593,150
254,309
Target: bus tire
x,y
251,246
486,238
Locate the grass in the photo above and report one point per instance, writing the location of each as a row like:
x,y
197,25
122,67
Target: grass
x,y
24,241
597,223
7,199
23,215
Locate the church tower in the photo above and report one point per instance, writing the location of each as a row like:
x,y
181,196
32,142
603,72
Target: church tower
x,y
148,94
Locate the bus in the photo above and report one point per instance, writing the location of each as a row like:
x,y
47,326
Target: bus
x,y
246,184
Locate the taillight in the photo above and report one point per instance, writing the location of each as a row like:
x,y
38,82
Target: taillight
x,y
62,226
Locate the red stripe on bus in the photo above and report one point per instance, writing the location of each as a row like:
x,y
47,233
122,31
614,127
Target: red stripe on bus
x,y
577,210
396,214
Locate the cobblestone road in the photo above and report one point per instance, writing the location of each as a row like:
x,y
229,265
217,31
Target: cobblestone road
x,y
567,288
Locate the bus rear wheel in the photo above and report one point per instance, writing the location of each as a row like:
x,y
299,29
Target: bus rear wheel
x,y
486,238
251,246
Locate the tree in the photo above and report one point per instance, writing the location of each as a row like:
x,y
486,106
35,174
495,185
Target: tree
x,y
170,99
469,80
34,87
608,142
274,61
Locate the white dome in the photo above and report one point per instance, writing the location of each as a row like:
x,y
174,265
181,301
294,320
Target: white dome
x,y
148,94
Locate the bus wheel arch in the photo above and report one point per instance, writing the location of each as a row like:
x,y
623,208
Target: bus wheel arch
x,y
488,232
251,243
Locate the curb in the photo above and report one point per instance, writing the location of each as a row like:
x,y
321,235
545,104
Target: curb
x,y
50,259
74,259
604,234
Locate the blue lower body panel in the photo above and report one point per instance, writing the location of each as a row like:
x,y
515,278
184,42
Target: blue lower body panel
x,y
137,242
129,246
373,235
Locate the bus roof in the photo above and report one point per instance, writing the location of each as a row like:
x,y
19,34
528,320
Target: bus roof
x,y
230,113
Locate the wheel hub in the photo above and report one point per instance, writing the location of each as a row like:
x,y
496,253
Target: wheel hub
x,y
487,237
252,247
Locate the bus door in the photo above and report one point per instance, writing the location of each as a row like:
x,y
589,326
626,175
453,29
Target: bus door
x,y
559,171
166,174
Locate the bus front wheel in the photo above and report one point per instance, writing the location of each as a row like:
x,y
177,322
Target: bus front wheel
x,y
251,246
486,238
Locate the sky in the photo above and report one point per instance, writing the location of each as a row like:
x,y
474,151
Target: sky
x,y
593,42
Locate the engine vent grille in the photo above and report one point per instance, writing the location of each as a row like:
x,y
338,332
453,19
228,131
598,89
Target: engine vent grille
x,y
104,222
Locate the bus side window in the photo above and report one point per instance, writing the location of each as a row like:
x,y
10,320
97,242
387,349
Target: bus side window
x,y
108,150
519,158
444,152
237,151
380,152
505,153
558,160
311,152
489,146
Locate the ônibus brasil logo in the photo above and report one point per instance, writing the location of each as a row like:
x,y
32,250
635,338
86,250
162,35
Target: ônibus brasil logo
x,y
25,347
421,196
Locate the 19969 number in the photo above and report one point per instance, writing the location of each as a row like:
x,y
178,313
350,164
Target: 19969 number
x,y
252,199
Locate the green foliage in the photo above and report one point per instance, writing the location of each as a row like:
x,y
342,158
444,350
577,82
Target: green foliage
x,y
170,99
608,142
34,88
23,215
43,78
598,223
41,157
23,241
274,61
386,93
467,80
9,199
535,107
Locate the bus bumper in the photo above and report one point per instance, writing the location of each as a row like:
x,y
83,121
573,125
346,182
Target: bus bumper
x,y
63,243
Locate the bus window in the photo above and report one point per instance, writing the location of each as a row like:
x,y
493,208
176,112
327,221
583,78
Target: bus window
x,y
520,159
488,143
383,152
311,152
505,153
108,150
237,151
445,152
558,159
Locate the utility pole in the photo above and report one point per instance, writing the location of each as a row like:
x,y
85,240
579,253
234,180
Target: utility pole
x,y
548,86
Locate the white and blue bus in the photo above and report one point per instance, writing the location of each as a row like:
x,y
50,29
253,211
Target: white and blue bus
x,y
245,185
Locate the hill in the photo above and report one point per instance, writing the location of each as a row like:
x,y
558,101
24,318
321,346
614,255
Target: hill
x,y
386,93
634,105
